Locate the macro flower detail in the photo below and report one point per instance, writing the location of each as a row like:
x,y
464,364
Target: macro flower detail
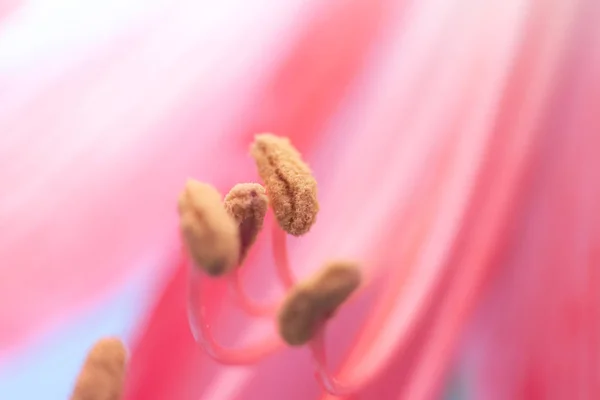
x,y
289,181
291,192
454,146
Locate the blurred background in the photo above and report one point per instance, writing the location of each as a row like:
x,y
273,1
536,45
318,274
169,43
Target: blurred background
x,y
106,107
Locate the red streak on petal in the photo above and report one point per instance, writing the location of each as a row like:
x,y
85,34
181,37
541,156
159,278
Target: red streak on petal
x,y
323,63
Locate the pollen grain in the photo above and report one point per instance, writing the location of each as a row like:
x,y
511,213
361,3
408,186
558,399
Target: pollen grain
x,y
209,232
311,303
291,187
247,204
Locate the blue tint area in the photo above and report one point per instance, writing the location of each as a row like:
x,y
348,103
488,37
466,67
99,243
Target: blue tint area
x,y
48,369
455,389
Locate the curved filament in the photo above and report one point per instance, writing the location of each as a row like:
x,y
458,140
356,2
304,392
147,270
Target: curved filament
x,y
284,273
330,383
246,303
280,255
199,322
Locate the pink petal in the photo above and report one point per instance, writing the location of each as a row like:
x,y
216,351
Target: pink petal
x,y
455,239
536,336
95,150
494,205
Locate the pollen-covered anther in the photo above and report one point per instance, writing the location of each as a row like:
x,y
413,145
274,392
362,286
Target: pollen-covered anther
x,y
209,232
309,304
102,376
291,187
247,203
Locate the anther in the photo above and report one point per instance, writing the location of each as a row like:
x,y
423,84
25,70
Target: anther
x,y
102,376
311,303
209,232
289,181
247,203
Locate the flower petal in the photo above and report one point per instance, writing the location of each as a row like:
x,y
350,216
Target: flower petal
x,y
92,160
536,336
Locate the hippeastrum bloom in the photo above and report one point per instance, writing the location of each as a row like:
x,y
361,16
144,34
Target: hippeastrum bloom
x,y
435,204
100,130
453,144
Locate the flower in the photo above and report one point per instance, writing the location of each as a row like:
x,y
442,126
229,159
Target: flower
x,y
453,145
444,190
97,140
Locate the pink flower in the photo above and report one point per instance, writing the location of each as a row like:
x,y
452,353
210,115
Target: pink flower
x,y
99,133
454,146
435,199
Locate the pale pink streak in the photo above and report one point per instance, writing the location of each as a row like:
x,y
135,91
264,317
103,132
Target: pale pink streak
x,y
529,104
546,300
520,132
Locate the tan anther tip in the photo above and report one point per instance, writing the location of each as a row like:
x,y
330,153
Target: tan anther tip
x,y
102,376
308,305
209,232
247,203
291,187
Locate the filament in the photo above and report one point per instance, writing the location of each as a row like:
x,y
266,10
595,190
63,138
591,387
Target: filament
x,y
246,303
330,383
284,273
200,326
280,255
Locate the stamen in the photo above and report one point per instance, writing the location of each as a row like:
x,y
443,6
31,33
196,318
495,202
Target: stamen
x,y
247,204
291,186
283,272
102,376
331,384
310,304
209,232
280,255
199,321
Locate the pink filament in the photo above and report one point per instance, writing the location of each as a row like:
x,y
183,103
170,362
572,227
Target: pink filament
x,y
199,313
282,266
280,254
246,303
199,320
323,376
